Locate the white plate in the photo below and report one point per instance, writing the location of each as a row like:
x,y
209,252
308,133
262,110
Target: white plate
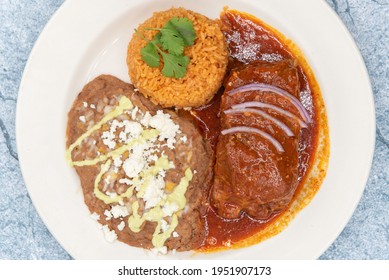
x,y
86,38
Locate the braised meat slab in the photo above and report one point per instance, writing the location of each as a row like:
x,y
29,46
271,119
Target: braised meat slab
x,y
257,157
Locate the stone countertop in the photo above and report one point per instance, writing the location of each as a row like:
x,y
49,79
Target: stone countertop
x,y
24,236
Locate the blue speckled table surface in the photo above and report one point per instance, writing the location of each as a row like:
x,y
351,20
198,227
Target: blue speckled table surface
x,y
24,236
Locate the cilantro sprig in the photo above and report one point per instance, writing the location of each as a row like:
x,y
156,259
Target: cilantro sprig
x,y
169,44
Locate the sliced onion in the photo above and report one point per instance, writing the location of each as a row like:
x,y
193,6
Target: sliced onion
x,y
277,90
200,120
246,129
257,104
280,124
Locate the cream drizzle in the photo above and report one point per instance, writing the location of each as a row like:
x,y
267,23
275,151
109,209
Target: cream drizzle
x,y
135,221
124,104
102,196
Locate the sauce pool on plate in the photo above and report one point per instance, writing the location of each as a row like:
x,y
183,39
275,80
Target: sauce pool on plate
x,y
250,40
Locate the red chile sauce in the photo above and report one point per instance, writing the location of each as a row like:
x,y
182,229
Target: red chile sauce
x,y
249,40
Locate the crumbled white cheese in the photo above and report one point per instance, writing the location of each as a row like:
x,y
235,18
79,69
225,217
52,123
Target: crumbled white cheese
x,y
164,225
111,194
138,184
126,181
109,136
133,165
171,142
146,119
108,139
82,119
162,173
152,158
184,139
108,215
117,161
166,127
159,251
110,235
154,192
169,208
121,225
93,106
134,112
114,125
123,137
146,150
95,216
119,211
133,128
175,234
139,150
85,104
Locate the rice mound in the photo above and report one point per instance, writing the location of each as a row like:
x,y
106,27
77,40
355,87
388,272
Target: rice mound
x,y
205,72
